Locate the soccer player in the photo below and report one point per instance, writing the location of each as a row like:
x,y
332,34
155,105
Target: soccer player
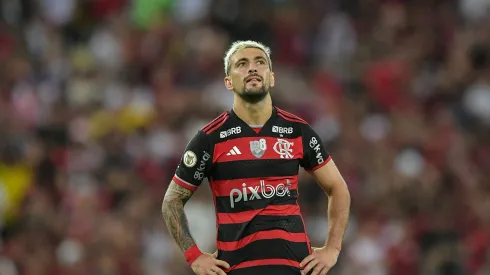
x,y
251,156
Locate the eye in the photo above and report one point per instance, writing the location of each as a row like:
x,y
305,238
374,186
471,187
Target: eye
x,y
261,62
240,64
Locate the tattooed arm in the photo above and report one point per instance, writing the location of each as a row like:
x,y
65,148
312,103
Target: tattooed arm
x,y
174,216
173,213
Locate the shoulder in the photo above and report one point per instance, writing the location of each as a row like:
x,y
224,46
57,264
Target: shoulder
x,y
290,117
215,124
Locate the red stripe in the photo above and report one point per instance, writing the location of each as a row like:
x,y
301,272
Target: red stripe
x,y
244,145
287,114
270,210
217,125
214,121
320,165
291,119
184,184
265,262
262,235
224,187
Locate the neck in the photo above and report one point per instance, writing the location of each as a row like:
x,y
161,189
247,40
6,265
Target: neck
x,y
253,114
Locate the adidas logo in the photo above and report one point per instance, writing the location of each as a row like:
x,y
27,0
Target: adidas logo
x,y
234,151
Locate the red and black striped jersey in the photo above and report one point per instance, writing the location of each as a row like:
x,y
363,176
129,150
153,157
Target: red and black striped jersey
x,y
253,175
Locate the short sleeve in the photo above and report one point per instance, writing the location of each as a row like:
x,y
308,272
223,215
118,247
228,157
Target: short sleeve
x,y
315,154
195,163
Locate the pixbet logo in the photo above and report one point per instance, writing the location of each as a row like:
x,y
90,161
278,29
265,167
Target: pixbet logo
x,y
258,192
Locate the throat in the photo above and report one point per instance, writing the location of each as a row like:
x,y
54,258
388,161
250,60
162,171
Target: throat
x,y
254,114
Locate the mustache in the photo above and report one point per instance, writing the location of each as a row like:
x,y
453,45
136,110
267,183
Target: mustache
x,y
253,76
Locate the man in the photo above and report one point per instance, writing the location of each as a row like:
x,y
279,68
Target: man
x,y
251,156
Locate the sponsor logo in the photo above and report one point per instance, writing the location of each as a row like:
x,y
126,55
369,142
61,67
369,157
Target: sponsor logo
x,y
234,151
315,145
199,174
282,130
258,192
283,148
189,159
258,147
231,131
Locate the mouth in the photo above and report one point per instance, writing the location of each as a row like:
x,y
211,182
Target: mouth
x,y
253,78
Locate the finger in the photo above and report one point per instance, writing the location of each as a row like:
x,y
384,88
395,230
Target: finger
x,y
318,269
306,260
218,270
215,254
325,270
310,266
210,272
222,264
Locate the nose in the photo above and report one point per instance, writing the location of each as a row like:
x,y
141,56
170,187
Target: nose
x,y
252,70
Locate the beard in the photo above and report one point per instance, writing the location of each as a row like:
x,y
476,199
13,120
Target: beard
x,y
253,95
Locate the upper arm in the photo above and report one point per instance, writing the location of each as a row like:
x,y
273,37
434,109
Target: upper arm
x,y
177,192
315,154
195,163
317,161
329,177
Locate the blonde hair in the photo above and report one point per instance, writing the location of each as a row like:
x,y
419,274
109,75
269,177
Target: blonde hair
x,y
240,45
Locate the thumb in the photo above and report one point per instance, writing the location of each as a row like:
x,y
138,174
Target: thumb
x,y
215,254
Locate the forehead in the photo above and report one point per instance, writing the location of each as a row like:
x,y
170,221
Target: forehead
x,y
249,53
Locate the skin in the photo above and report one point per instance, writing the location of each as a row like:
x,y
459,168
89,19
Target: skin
x,y
251,78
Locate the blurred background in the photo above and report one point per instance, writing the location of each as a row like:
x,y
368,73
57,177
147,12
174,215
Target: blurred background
x,y
98,99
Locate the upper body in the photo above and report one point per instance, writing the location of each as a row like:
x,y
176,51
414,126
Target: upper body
x,y
253,175
251,156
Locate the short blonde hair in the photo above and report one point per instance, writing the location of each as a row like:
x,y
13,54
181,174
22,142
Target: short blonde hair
x,y
240,45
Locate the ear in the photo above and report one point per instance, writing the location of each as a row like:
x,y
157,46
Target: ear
x,y
228,83
273,80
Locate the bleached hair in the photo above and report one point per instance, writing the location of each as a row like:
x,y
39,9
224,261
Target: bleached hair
x,y
240,45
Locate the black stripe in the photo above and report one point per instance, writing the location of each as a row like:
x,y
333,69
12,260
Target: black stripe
x,y
237,231
244,169
214,122
266,269
223,204
266,249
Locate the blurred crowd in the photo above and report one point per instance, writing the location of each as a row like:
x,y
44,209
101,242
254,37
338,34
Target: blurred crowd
x,y
98,98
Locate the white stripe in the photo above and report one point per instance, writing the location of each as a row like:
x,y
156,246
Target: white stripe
x,y
236,150
232,152
190,184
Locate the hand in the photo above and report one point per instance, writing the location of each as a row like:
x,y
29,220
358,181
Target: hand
x,y
207,264
320,261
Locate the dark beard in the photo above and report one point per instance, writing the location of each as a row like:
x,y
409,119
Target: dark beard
x,y
253,96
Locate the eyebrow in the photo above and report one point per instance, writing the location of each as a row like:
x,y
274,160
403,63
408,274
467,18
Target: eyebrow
x,y
246,59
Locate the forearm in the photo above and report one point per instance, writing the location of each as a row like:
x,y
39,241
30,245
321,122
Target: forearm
x,y
176,221
338,216
174,216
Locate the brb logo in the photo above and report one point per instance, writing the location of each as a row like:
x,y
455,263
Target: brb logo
x,y
258,192
282,130
283,148
231,131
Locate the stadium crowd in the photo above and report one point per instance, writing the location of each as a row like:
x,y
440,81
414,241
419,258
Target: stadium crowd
x,y
98,99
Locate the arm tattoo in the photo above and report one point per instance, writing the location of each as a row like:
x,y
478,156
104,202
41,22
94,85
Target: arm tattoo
x,y
174,216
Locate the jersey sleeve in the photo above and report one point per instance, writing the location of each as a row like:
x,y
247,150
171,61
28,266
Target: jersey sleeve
x,y
315,154
195,163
